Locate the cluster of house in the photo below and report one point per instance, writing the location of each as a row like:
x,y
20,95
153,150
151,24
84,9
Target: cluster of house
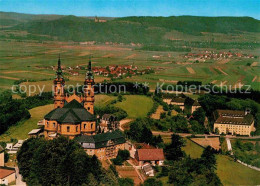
x,y
182,101
7,174
216,56
117,71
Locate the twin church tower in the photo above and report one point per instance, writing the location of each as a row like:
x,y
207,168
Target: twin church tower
x,y
72,115
88,97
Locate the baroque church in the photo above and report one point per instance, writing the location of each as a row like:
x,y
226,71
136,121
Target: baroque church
x,y
73,116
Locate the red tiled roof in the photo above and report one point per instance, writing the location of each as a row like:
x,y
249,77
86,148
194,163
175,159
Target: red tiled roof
x,y
150,154
5,172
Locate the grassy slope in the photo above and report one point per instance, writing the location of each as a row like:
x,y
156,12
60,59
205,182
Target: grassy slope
x,y
21,130
103,100
229,172
135,105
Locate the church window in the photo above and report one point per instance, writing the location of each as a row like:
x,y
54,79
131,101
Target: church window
x,y
68,129
47,124
53,125
58,91
91,126
76,128
88,108
88,92
85,126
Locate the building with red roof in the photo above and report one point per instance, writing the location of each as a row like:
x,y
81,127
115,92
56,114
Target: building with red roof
x,y
153,156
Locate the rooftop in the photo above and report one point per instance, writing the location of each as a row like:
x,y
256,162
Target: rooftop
x,y
101,140
150,154
235,117
4,172
73,113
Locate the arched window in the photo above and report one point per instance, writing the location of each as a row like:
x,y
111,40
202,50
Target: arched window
x,y
91,126
85,125
68,129
76,128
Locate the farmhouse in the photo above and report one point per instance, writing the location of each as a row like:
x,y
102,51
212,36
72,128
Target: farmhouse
x,y
153,156
233,122
104,145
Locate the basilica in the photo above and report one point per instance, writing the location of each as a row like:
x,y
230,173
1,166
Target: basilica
x,y
73,116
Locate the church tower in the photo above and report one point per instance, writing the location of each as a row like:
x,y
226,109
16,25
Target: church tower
x,y
89,90
59,96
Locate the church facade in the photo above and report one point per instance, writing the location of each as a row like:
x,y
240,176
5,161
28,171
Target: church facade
x,y
73,115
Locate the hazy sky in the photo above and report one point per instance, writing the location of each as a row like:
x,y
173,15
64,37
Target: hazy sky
x,y
119,8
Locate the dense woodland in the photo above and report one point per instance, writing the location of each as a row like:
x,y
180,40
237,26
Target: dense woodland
x,y
149,31
13,111
65,163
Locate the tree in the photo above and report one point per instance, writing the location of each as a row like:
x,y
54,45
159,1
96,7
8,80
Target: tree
x,y
197,127
173,151
152,182
126,182
120,98
60,162
162,115
208,158
199,115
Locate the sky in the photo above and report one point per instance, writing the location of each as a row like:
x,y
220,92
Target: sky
x,y
122,8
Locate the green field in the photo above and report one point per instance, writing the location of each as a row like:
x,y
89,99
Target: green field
x,y
229,172
135,106
102,100
21,130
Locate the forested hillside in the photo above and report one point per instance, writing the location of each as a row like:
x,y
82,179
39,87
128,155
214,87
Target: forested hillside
x,y
144,30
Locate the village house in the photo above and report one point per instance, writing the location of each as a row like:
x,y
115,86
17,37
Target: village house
x,y
153,156
104,145
7,175
233,122
108,122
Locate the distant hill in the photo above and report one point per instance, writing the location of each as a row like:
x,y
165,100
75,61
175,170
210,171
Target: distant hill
x,y
146,30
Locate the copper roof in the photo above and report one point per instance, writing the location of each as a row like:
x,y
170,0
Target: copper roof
x,y
150,154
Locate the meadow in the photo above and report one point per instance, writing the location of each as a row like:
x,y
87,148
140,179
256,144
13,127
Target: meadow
x,y
33,61
21,129
229,172
136,106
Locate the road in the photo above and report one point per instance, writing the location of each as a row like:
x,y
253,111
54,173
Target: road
x,y
206,135
123,122
19,181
